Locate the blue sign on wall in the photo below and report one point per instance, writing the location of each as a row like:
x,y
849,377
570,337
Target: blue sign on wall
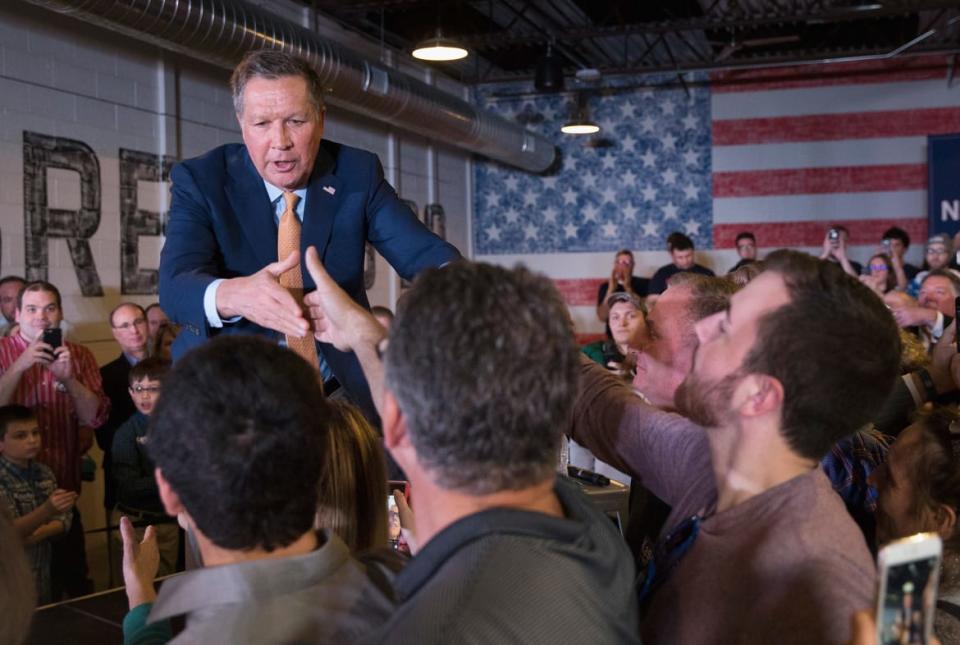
x,y
943,163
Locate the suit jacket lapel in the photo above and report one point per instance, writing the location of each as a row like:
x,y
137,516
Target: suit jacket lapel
x,y
251,204
324,195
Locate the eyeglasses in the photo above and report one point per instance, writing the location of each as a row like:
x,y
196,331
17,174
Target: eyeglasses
x,y
127,326
878,267
667,555
139,389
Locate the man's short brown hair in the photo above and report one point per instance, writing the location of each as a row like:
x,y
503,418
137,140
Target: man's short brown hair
x,y
834,347
272,64
38,285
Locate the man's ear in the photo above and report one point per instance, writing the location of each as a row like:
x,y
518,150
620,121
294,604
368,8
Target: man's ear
x,y
393,422
945,516
169,497
758,395
16,315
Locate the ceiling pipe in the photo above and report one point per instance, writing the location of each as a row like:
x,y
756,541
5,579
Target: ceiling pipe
x,y
222,31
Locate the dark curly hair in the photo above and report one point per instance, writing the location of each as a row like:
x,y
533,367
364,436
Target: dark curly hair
x,y
239,433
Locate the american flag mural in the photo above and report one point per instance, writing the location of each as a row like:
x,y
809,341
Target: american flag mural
x,y
783,153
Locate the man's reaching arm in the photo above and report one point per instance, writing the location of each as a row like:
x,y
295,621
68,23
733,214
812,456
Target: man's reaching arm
x,y
338,320
661,449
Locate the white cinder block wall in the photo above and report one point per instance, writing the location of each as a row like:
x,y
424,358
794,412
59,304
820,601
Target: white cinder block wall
x,y
62,78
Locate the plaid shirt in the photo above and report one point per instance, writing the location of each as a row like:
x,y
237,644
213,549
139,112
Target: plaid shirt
x,y
850,462
64,439
21,491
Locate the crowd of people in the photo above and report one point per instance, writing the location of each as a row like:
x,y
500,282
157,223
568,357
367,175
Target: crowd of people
x,y
777,425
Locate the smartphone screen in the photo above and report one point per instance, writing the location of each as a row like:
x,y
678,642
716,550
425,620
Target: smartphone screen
x,y
53,337
908,595
393,520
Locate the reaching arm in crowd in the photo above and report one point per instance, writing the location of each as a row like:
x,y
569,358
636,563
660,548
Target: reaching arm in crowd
x,y
338,320
618,427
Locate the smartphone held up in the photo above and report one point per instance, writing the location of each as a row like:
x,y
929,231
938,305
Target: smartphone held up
x,y
909,573
53,336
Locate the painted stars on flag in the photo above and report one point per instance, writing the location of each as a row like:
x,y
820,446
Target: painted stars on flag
x,y
649,175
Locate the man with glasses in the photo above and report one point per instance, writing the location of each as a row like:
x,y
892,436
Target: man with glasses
x,y
60,381
128,323
938,255
758,548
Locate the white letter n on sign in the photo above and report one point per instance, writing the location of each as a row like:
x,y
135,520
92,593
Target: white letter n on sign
x,y
950,209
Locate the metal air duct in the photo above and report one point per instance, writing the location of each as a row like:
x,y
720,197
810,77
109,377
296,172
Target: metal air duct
x,y
221,31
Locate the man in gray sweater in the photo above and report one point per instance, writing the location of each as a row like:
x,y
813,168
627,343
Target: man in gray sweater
x,y
509,553
758,548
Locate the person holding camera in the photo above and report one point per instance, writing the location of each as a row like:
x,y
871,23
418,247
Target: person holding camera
x,y
59,381
621,280
835,250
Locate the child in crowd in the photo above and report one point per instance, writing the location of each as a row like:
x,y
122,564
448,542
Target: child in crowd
x,y
137,494
29,492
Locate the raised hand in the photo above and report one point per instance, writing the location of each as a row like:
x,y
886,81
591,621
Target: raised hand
x,y
37,352
61,365
334,316
141,561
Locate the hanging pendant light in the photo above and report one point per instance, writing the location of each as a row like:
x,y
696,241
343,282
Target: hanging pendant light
x,y
580,122
439,49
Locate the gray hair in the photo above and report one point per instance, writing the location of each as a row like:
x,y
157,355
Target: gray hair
x,y
272,64
481,414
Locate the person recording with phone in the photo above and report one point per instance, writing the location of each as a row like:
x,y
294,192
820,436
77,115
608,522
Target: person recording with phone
x,y
59,381
918,489
835,250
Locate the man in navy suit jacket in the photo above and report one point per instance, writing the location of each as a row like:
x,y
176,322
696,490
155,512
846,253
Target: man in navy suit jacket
x,y
219,270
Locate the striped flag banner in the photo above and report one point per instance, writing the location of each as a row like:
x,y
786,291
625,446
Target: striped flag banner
x,y
787,153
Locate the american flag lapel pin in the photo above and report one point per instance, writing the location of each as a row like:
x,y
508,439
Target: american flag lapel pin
x,y
330,189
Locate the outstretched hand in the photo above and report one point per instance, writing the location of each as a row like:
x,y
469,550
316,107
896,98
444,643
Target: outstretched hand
x,y
141,561
334,316
262,300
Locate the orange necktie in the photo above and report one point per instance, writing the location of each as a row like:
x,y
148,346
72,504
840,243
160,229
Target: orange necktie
x,y
288,241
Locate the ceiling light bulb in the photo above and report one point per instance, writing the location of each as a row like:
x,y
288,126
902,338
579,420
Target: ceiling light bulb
x,y
439,49
580,127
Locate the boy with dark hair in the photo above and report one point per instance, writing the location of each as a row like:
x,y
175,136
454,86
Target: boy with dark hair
x,y
29,491
746,243
681,259
236,440
896,241
62,385
136,488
